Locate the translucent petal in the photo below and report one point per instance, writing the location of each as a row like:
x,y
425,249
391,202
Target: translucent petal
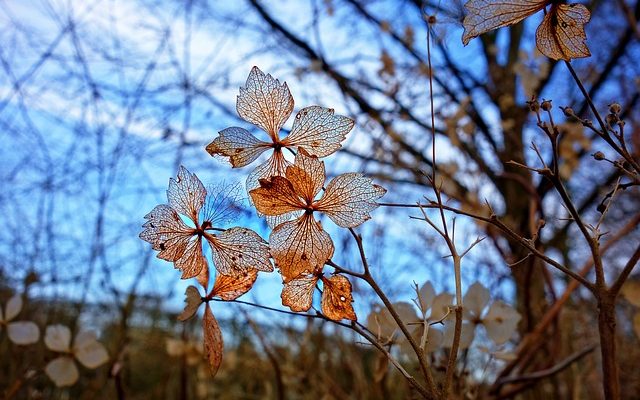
x,y
192,303
23,332
58,338
236,251
440,306
382,324
318,130
349,198
166,232
475,301
192,261
265,102
467,333
186,194
276,196
300,246
297,294
306,175
501,322
62,371
432,343
239,145
486,15
561,34
231,287
89,351
427,295
14,306
337,298
213,344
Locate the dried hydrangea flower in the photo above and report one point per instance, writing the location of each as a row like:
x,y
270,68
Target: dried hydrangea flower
x,y
301,245
235,251
86,349
19,332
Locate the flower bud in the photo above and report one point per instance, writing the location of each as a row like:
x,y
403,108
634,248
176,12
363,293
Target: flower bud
x,y
615,108
546,105
598,155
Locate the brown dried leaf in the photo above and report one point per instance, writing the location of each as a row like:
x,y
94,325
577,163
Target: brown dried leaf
x,y
192,261
265,102
166,232
318,130
186,194
276,196
203,277
193,300
297,294
306,176
561,34
337,298
231,287
349,198
213,344
239,250
300,246
240,146
486,15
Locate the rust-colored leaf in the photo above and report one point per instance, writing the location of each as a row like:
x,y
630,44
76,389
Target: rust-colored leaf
x,y
349,198
319,131
337,298
486,15
265,102
297,294
306,176
239,250
193,301
300,246
239,145
276,165
166,232
186,194
561,34
203,277
213,344
276,196
231,287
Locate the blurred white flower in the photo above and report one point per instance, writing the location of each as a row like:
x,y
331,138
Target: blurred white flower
x,y
86,349
500,320
19,332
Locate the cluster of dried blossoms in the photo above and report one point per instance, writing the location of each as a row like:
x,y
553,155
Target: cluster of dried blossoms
x,y
62,370
289,195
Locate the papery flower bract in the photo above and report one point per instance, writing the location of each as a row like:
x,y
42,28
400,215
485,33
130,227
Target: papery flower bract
x,y
301,245
86,349
19,332
266,103
234,251
500,320
297,294
560,36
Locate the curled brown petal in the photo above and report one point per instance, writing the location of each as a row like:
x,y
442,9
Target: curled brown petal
x,y
213,344
337,298
306,175
276,196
